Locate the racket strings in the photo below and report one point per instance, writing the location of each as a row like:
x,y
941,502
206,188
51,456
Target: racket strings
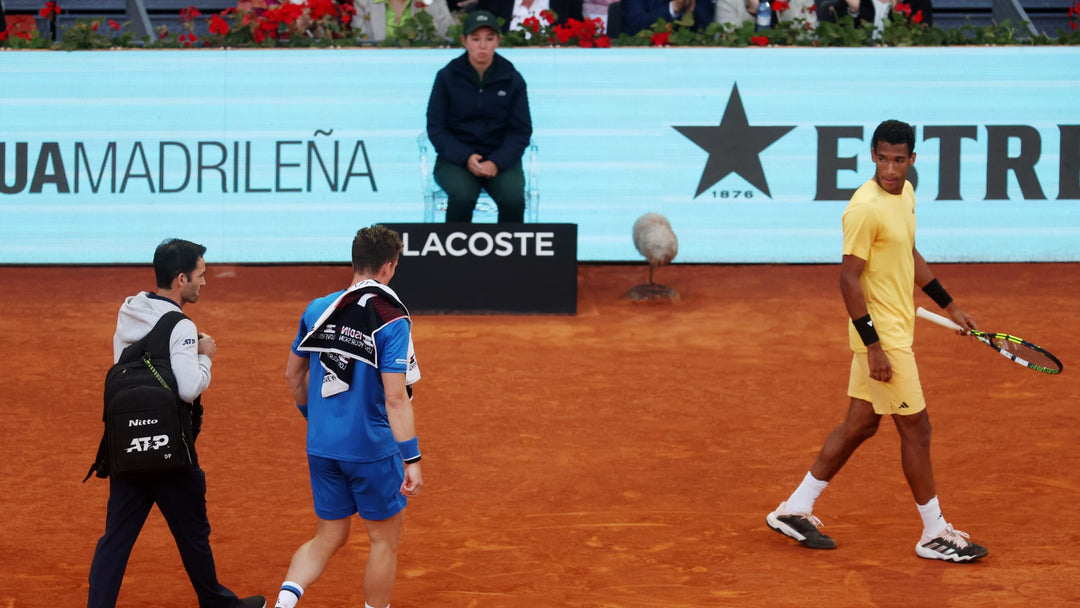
x,y
1017,349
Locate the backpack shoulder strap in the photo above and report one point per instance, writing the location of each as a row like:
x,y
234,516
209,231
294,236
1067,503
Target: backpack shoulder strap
x,y
156,343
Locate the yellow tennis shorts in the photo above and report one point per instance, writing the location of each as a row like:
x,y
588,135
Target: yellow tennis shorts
x,y
900,395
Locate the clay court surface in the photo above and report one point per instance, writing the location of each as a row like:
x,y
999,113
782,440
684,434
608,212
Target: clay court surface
x,y
623,457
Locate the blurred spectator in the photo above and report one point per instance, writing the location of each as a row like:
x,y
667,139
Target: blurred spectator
x,y
735,12
459,7
516,11
377,19
596,9
642,14
875,11
783,10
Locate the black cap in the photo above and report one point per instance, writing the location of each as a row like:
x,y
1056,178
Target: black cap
x,y
478,19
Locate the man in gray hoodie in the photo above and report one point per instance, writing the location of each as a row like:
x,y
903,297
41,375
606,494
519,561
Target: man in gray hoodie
x,y
180,496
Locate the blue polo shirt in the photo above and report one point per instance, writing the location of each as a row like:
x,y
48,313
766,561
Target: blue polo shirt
x,y
352,425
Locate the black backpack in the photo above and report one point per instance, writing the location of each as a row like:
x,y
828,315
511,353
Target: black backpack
x,y
149,430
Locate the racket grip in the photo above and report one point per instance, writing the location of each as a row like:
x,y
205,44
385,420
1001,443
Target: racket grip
x,y
922,313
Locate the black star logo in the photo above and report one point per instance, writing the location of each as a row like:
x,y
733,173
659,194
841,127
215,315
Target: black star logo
x,y
734,146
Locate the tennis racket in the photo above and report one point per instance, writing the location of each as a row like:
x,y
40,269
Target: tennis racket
x,y
1016,349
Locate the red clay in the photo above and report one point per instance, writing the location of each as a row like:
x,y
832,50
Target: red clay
x,y
623,457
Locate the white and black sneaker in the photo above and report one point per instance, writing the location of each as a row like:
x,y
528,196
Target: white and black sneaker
x,y
803,527
951,546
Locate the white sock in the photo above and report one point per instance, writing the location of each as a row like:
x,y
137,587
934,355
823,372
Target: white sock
x,y
367,605
802,499
288,596
933,521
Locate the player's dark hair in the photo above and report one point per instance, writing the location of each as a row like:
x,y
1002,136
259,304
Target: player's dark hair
x,y
374,246
174,257
894,132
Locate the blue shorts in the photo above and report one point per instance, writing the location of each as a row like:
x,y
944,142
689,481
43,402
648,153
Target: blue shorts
x,y
372,489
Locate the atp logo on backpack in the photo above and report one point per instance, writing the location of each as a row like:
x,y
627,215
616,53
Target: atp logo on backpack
x,y
142,444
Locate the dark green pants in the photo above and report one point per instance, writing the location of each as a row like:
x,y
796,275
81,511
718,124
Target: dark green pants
x,y
462,189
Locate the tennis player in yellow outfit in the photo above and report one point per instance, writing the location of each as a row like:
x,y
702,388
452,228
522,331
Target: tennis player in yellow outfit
x,y
878,273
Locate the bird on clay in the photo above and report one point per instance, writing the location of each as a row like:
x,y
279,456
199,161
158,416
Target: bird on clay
x,y
654,239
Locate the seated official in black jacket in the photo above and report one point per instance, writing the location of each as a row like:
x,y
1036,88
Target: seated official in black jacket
x,y
478,122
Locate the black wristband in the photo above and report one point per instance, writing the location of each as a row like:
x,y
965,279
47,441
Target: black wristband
x,y
937,293
866,330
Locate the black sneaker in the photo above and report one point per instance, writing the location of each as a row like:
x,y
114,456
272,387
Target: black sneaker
x,y
255,601
803,527
951,546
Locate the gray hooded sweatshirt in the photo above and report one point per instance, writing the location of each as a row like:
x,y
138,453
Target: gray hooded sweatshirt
x,y
138,315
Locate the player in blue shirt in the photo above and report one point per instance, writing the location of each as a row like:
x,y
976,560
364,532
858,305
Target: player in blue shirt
x,y
348,370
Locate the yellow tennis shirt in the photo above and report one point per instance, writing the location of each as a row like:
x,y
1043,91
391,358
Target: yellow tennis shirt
x,y
880,228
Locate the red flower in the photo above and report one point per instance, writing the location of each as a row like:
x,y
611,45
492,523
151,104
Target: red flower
x,y
187,39
587,33
189,13
50,9
532,24
811,9
24,35
660,38
347,12
917,18
902,8
1072,24
3,35
218,26
779,6
760,40
94,26
603,42
292,13
113,25
548,16
321,8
